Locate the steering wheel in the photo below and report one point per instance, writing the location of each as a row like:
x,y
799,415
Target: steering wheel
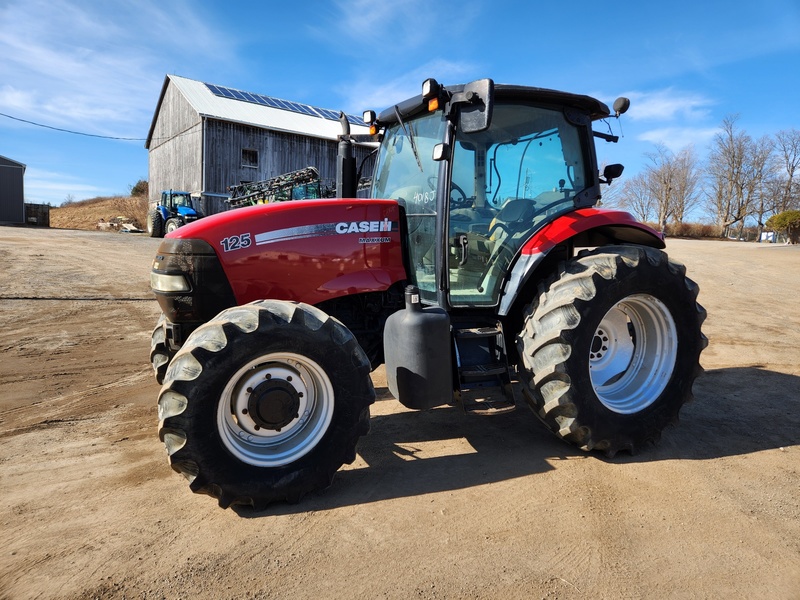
x,y
463,202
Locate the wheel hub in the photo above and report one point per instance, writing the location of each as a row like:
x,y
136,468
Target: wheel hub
x,y
275,409
633,353
274,404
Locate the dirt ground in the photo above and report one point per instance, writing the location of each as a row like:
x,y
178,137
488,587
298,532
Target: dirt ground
x,y
437,505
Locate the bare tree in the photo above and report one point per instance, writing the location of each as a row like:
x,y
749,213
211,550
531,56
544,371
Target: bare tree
x,y
660,177
635,197
763,172
672,182
686,181
737,168
787,148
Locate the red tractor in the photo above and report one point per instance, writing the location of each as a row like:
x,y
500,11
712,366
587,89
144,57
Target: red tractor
x,y
479,270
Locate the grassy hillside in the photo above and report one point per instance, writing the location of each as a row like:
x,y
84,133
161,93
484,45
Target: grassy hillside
x,y
86,214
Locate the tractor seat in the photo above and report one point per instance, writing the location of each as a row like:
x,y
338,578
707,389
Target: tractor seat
x,y
514,217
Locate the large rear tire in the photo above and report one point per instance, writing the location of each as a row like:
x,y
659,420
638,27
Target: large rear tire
x,y
610,350
264,403
155,224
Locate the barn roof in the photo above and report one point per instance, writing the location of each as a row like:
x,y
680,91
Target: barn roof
x,y
237,106
12,163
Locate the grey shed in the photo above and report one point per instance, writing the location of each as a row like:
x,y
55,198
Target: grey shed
x,y
12,194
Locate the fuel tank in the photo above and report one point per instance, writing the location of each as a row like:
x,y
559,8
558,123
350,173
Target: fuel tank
x,y
416,346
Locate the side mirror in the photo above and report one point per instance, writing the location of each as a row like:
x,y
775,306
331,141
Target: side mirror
x,y
621,106
611,172
476,104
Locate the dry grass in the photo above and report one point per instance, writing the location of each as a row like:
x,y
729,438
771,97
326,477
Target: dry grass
x,y
86,214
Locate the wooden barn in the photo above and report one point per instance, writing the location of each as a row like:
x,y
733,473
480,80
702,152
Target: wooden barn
x,y
205,138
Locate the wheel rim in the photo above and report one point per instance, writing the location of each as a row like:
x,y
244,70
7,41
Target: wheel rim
x,y
275,409
633,354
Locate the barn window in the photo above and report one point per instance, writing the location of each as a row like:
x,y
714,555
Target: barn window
x,y
249,157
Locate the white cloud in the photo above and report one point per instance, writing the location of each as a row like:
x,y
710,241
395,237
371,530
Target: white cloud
x,y
678,138
43,187
373,31
669,104
377,94
96,67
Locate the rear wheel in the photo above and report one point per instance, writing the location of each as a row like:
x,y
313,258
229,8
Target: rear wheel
x,y
264,403
611,349
155,224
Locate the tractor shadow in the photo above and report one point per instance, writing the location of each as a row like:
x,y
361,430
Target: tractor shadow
x,y
736,411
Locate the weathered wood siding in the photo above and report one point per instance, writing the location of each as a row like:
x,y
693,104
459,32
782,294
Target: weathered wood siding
x,y
278,153
175,157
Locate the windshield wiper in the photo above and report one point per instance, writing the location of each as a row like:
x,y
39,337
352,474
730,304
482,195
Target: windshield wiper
x,y
409,136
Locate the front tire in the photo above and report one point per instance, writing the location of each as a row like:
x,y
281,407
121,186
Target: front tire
x,y
264,403
172,225
610,350
160,353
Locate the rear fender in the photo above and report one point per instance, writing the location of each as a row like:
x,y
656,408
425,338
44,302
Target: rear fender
x,y
585,227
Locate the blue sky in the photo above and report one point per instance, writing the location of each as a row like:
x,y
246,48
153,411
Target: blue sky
x,y
97,67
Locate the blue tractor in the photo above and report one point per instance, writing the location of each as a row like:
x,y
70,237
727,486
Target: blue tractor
x,y
173,210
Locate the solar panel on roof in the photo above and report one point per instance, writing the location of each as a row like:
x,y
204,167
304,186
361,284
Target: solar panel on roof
x,y
329,114
295,107
356,120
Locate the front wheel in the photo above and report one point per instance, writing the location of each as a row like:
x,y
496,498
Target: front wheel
x,y
264,403
172,225
610,350
160,352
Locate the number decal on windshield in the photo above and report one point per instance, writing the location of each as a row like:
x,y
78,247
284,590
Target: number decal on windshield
x,y
236,242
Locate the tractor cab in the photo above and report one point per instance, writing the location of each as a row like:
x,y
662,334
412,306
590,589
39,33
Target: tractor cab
x,y
474,190
172,211
179,205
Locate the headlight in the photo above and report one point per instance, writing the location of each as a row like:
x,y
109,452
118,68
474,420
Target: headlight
x,y
161,282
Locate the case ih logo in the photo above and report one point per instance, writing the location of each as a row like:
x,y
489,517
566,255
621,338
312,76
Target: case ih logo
x,y
324,229
364,226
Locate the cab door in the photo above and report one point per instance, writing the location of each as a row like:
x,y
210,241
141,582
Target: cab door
x,y
507,182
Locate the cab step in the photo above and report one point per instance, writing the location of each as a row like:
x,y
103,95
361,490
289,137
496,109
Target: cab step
x,y
484,376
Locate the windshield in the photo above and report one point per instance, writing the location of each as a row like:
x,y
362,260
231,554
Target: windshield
x,y
406,172
182,200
